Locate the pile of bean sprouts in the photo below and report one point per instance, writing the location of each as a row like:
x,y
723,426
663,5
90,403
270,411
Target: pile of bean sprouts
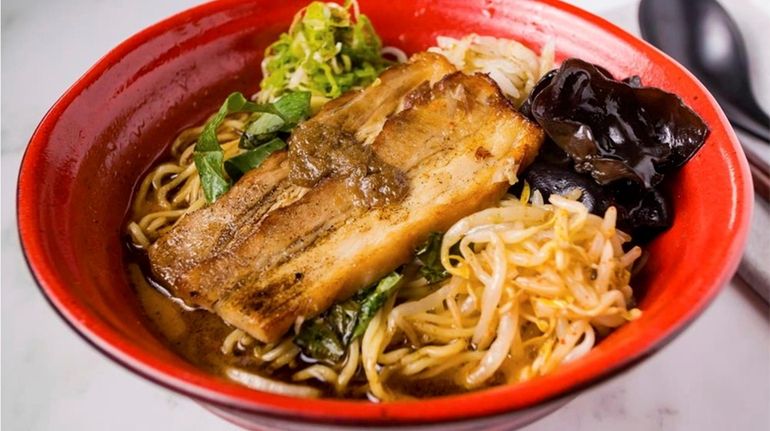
x,y
513,66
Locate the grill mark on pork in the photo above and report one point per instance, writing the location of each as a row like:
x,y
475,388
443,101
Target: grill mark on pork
x,y
242,226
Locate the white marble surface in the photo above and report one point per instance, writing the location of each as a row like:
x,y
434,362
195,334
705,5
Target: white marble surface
x,y
715,376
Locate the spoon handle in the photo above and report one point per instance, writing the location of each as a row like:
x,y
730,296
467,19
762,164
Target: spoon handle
x,y
754,130
755,123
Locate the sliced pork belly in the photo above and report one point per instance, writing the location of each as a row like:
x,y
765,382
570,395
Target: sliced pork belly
x,y
218,228
459,146
204,232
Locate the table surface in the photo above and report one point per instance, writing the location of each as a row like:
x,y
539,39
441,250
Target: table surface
x,y
715,376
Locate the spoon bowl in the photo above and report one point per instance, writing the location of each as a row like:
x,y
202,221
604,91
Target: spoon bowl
x,y
702,36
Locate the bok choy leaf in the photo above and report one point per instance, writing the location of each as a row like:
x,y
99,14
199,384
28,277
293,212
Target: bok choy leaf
x,y
260,138
374,301
242,163
326,337
429,254
208,155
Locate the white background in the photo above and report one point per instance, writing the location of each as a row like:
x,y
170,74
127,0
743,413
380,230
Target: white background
x,y
715,376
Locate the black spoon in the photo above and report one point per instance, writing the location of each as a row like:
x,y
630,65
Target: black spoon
x,y
703,38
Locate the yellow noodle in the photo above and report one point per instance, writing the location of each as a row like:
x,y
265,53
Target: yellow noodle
x,y
172,189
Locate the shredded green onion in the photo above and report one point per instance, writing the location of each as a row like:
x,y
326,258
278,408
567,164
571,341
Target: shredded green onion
x,y
329,49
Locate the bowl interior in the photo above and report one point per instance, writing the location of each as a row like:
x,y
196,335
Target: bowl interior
x,y
88,153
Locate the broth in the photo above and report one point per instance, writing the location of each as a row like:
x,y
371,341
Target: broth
x,y
198,335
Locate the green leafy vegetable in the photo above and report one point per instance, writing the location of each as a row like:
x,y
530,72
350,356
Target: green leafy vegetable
x,y
343,318
242,163
375,300
277,118
268,121
235,102
262,127
429,254
326,337
293,107
318,340
327,51
208,155
213,180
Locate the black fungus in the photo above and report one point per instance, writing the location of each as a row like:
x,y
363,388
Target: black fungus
x,y
634,81
526,107
614,130
552,179
614,140
644,213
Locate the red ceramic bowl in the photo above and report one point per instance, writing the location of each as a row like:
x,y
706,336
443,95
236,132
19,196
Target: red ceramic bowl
x,y
84,160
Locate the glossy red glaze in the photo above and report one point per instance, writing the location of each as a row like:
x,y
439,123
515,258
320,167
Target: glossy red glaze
x,y
88,152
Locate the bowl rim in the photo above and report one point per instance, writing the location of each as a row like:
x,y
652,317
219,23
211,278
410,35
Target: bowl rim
x,y
488,402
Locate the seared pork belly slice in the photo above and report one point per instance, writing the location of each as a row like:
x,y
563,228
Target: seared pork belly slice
x,y
217,229
363,112
204,233
459,146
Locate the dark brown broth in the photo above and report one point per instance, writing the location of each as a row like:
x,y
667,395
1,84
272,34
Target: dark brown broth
x,y
197,336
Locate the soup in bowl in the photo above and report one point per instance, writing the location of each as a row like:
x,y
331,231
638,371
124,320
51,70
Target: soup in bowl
x,y
128,283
